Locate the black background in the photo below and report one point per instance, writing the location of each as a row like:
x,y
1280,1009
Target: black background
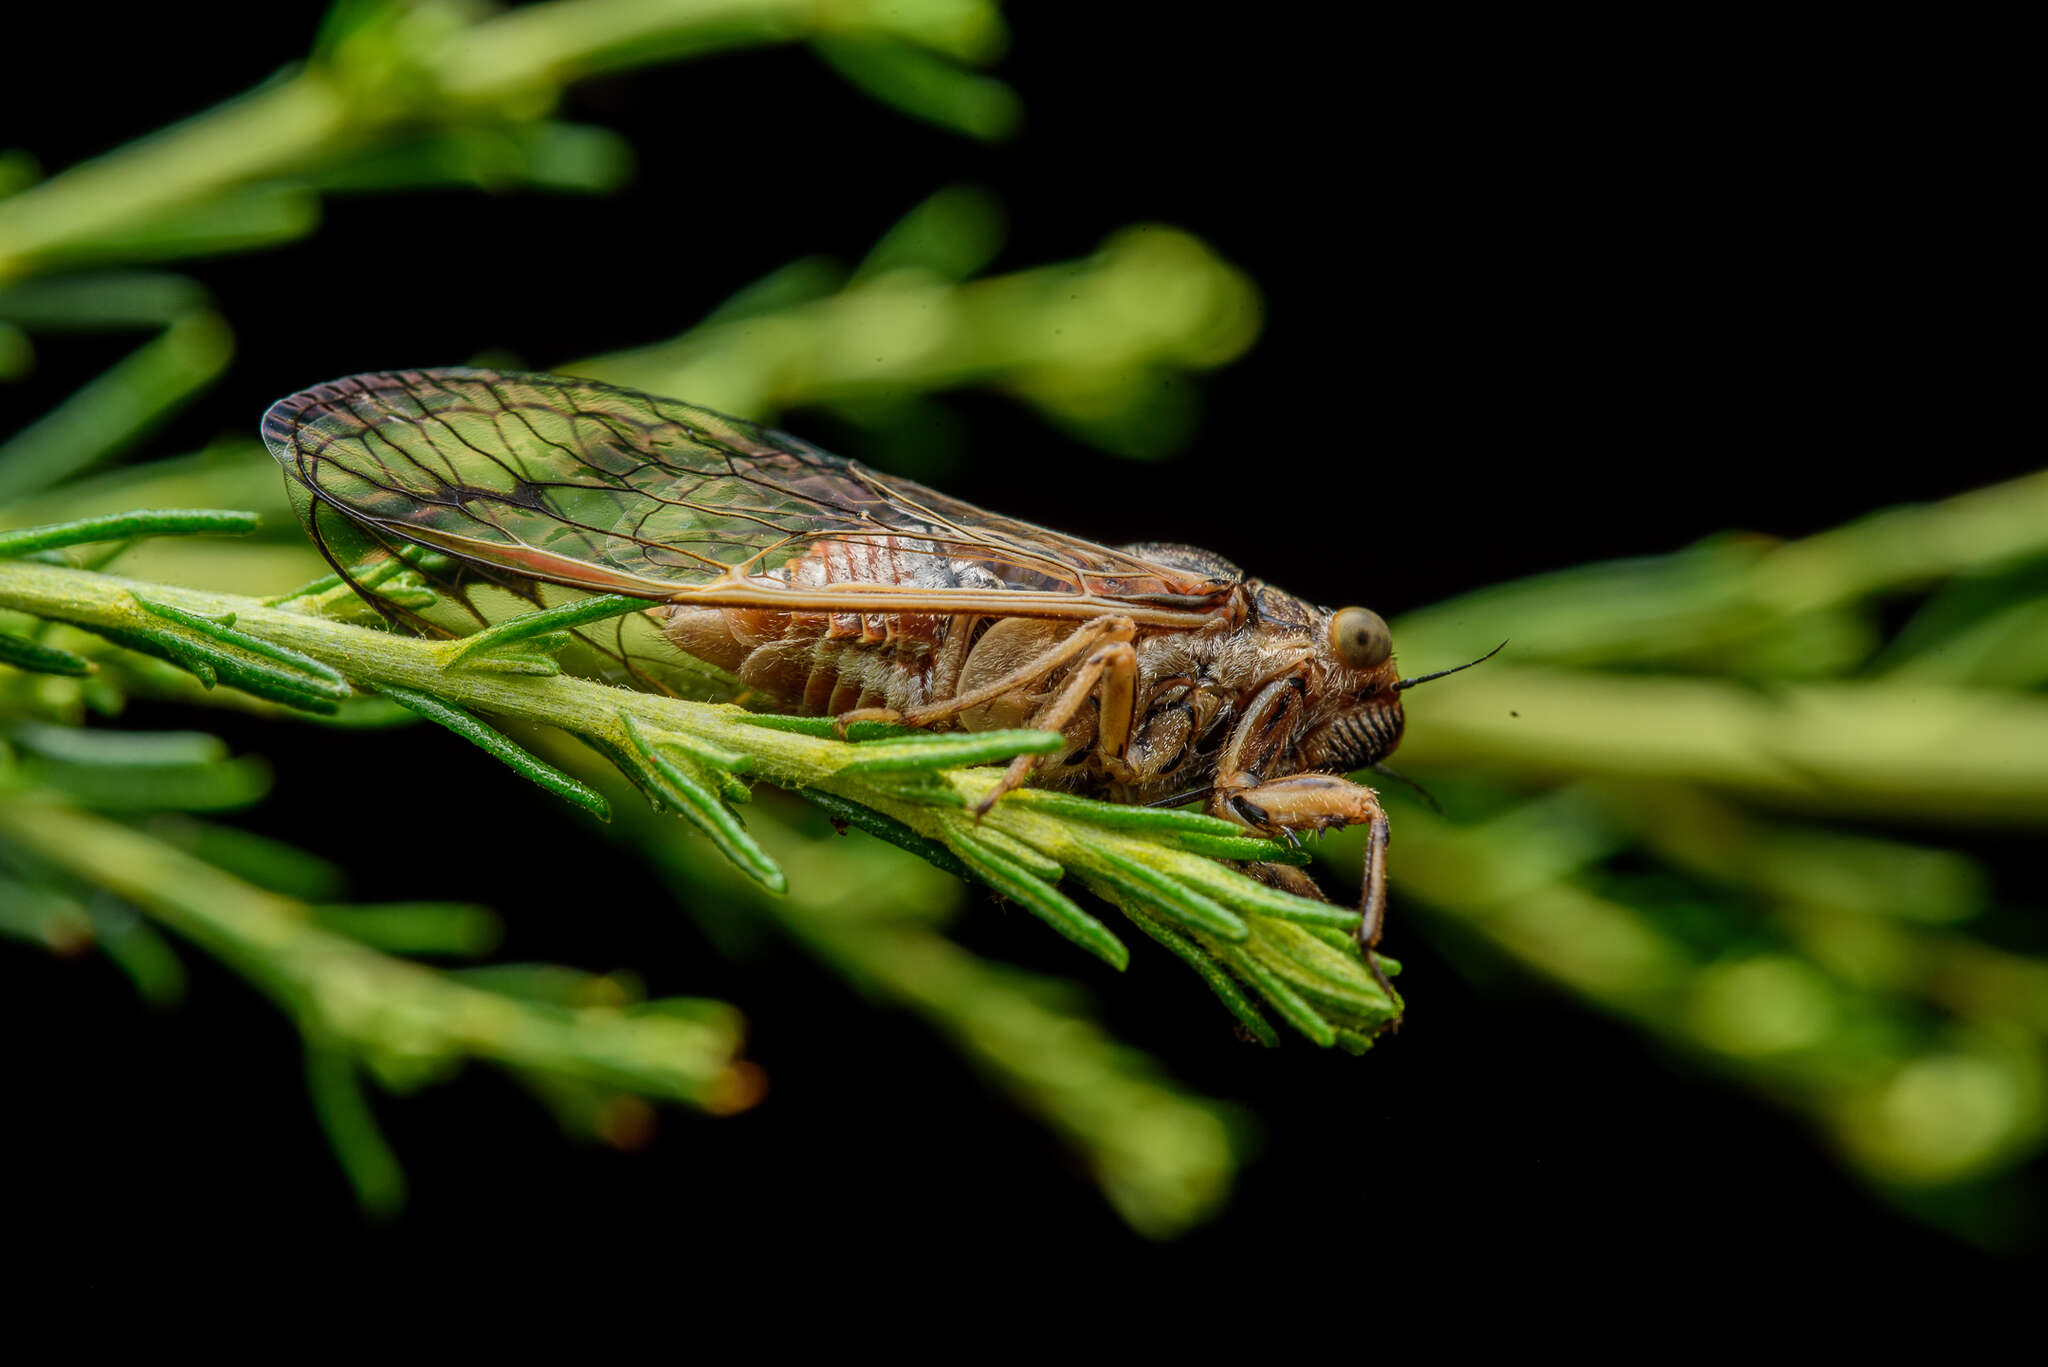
x,y
1543,285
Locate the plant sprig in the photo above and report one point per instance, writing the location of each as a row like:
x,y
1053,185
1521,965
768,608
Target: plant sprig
x,y
1159,866
362,1011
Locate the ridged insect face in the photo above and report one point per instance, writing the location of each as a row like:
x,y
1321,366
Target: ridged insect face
x,y
1358,737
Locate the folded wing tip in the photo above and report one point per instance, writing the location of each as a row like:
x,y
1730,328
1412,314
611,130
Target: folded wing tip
x,y
283,419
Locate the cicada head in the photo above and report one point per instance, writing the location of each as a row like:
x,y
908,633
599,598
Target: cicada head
x,y
1360,697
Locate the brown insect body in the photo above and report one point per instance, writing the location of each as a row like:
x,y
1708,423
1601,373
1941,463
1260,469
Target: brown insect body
x,y
1188,682
834,590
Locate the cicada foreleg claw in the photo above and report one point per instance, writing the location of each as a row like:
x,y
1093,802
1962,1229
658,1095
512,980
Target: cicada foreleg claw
x,y
1320,802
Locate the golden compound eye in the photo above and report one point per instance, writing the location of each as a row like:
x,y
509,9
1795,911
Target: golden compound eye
x,y
1360,638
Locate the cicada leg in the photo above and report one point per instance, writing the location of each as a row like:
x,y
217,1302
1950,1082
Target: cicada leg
x,y
1303,802
1113,669
1074,644
1102,659
1321,802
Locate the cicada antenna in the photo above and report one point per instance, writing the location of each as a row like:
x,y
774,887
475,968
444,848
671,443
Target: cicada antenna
x,y
1427,678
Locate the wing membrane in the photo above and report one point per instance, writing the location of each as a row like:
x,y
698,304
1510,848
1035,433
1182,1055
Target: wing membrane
x,y
586,484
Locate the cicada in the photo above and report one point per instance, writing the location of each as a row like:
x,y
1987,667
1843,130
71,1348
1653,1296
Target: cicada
x,y
831,589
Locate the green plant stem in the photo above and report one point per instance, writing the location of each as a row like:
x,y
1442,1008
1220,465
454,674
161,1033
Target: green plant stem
x,y
407,1021
1912,1102
1022,846
1056,335
114,409
1696,608
269,130
516,60
1942,754
1162,1157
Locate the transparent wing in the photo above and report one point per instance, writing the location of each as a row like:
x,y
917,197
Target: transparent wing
x,y
582,483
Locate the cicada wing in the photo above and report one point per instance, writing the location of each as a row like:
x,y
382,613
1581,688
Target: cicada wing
x,y
585,484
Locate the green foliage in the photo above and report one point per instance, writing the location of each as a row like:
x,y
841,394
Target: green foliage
x,y
1708,713
330,968
401,95
1703,792
695,759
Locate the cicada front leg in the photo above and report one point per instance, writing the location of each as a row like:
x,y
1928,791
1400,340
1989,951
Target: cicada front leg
x,y
1302,802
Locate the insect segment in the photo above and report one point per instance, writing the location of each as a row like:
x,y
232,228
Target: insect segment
x,y
834,590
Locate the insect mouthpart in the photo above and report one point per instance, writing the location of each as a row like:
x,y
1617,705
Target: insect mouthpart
x,y
1357,739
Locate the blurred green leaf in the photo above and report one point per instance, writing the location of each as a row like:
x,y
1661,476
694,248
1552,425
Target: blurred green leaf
x,y
18,171
17,352
452,928
952,236
564,157
236,220
113,300
924,86
116,410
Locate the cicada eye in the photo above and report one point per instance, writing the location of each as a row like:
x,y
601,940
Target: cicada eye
x,y
1361,638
